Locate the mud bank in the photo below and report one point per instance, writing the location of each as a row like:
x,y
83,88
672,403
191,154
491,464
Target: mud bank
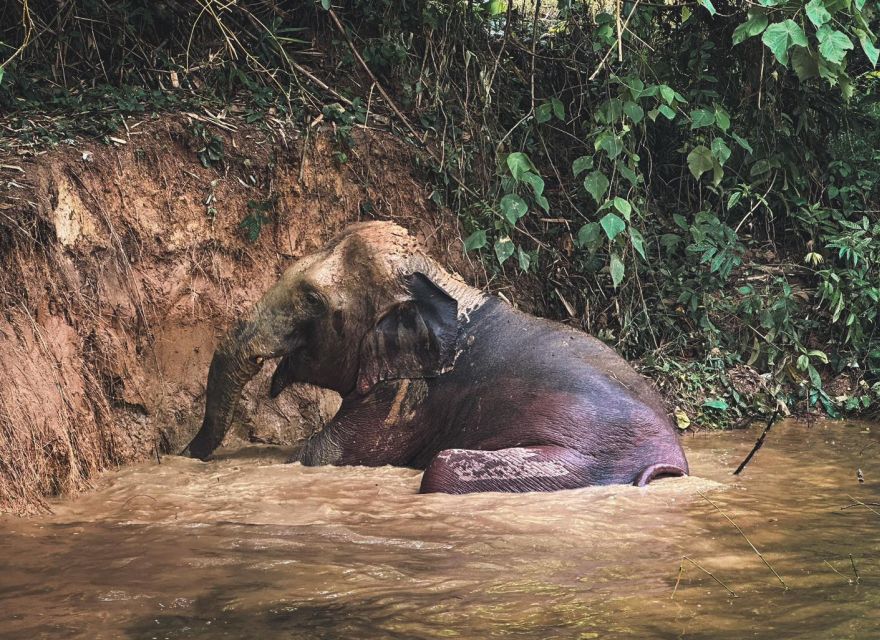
x,y
121,267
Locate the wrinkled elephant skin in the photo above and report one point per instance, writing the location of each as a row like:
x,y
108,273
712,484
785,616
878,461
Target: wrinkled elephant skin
x,y
435,375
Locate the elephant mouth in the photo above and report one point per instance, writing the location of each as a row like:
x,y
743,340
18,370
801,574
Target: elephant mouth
x,y
285,372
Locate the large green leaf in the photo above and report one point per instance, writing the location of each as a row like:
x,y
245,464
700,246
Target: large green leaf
x,y
596,185
638,242
623,206
722,118
503,249
477,240
634,112
700,161
780,36
612,145
536,182
720,150
513,207
519,164
588,236
612,224
617,270
752,27
867,46
584,163
817,13
702,118
709,6
834,47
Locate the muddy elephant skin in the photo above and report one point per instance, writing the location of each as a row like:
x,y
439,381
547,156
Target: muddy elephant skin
x,y
435,375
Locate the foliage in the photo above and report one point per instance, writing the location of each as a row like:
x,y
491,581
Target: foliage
x,y
700,189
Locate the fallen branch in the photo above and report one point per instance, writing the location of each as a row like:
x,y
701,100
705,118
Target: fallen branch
x,y
708,573
742,533
758,444
859,503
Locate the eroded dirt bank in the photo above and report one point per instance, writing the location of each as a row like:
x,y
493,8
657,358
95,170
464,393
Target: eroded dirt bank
x,y
122,266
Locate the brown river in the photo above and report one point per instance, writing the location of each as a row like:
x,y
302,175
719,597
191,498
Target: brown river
x,y
248,547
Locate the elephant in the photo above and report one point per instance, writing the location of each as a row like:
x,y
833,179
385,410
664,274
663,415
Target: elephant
x,y
437,375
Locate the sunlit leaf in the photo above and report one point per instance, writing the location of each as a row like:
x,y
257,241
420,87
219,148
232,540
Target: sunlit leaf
x,y
503,249
612,224
513,207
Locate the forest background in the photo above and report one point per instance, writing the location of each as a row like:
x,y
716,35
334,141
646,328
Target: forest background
x,y
695,183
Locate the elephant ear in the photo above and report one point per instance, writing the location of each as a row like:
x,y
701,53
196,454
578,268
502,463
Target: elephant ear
x,y
415,338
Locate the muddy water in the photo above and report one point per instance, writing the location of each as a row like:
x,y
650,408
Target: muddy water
x,y
247,547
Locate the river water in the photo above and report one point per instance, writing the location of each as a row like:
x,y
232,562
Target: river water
x,y
248,547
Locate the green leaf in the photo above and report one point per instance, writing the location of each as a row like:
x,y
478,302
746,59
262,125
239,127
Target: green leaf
x,y
720,150
638,242
477,240
2,71
754,26
584,163
535,181
519,164
596,185
513,207
734,198
543,113
742,142
817,13
759,168
700,160
634,112
667,94
709,6
612,145
722,119
702,118
503,249
628,173
523,258
623,206
667,112
612,224
588,236
617,270
716,403
558,109
780,36
867,46
497,7
834,46
325,4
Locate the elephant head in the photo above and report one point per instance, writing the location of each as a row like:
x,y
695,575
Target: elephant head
x,y
370,306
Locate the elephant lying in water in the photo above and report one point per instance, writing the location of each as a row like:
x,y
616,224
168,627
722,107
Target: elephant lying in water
x,y
436,375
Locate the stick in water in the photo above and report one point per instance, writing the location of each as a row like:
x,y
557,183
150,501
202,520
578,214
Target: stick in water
x,y
742,533
759,443
697,565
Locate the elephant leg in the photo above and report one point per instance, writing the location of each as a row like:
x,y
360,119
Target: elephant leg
x,y
515,470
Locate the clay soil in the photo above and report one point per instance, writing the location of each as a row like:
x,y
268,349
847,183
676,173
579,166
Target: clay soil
x,y
121,267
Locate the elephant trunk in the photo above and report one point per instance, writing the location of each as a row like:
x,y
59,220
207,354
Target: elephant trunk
x,y
236,361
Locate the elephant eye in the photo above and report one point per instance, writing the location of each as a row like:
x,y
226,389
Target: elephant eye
x,y
313,298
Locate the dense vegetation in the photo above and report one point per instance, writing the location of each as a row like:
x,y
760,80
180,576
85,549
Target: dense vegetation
x,y
697,183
